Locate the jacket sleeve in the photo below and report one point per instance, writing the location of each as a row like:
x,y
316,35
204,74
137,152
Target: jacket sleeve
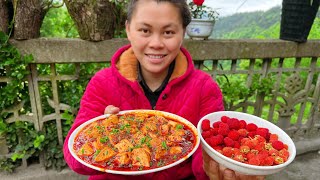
x,y
211,101
92,105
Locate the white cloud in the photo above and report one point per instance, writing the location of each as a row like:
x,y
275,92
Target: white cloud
x,y
228,7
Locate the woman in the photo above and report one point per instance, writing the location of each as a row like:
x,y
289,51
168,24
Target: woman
x,y
153,72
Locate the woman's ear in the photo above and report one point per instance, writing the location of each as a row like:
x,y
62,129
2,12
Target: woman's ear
x,y
128,29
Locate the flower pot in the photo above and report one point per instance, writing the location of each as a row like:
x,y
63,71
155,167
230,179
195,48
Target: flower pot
x,y
200,29
297,18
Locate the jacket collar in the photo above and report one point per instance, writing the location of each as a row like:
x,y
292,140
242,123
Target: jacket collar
x,y
127,64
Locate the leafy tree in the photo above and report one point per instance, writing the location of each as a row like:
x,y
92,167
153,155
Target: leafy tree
x,y
58,23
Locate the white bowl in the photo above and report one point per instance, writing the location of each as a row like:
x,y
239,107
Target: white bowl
x,y
242,167
140,172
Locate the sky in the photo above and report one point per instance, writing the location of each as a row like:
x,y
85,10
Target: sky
x,y
229,7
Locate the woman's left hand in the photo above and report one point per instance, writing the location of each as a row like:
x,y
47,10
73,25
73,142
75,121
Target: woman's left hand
x,y
216,171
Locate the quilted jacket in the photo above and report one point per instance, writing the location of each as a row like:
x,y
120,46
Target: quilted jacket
x,y
190,93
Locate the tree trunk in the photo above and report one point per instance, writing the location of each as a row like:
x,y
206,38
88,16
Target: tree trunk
x,y
4,16
29,18
95,19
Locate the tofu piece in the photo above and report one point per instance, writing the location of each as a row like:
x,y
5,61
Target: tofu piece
x,y
114,139
105,154
98,145
155,142
172,124
179,132
92,131
111,121
174,138
140,157
175,150
85,150
164,130
149,126
160,152
137,137
124,146
123,158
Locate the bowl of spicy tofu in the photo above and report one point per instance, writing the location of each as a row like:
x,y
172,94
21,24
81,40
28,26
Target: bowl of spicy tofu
x,y
134,142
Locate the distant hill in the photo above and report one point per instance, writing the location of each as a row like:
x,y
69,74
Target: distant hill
x,y
249,25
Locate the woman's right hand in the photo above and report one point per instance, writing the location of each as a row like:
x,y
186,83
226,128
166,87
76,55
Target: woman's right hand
x,y
111,109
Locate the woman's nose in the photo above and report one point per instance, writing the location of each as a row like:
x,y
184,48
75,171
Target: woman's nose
x,y
156,41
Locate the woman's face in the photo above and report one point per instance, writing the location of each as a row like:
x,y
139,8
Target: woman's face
x,y
156,34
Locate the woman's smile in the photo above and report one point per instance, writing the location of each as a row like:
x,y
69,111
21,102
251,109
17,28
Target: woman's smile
x,y
155,58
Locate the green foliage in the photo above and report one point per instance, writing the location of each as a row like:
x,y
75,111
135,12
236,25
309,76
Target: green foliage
x,y
13,65
53,151
23,140
235,90
58,23
7,165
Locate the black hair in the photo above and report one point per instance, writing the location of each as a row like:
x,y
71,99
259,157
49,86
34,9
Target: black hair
x,y
180,4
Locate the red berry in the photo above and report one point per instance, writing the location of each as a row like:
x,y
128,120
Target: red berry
x,y
262,132
239,157
216,124
206,134
251,134
236,144
273,152
254,161
278,160
215,141
205,125
228,142
284,153
234,135
243,132
223,129
242,124
251,127
278,145
244,149
214,131
224,119
233,123
227,151
273,137
268,161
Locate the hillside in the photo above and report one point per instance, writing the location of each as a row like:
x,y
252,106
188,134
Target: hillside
x,y
246,25
256,25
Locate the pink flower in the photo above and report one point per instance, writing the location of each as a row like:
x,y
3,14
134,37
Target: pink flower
x,y
198,2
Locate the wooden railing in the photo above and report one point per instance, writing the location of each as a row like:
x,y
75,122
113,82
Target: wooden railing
x,y
291,98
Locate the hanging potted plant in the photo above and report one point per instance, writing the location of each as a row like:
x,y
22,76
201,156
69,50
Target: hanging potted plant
x,y
203,20
297,18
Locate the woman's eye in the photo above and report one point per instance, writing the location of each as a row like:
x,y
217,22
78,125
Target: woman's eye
x,y
168,32
144,31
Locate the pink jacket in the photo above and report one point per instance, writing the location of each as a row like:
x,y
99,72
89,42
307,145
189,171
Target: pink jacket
x,y
190,93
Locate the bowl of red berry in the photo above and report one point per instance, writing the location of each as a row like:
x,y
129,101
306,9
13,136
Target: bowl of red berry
x,y
245,143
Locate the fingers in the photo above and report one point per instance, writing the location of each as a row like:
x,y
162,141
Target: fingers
x,y
228,174
216,171
248,177
111,110
210,167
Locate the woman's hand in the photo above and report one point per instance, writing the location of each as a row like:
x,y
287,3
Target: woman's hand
x,y
111,109
218,172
